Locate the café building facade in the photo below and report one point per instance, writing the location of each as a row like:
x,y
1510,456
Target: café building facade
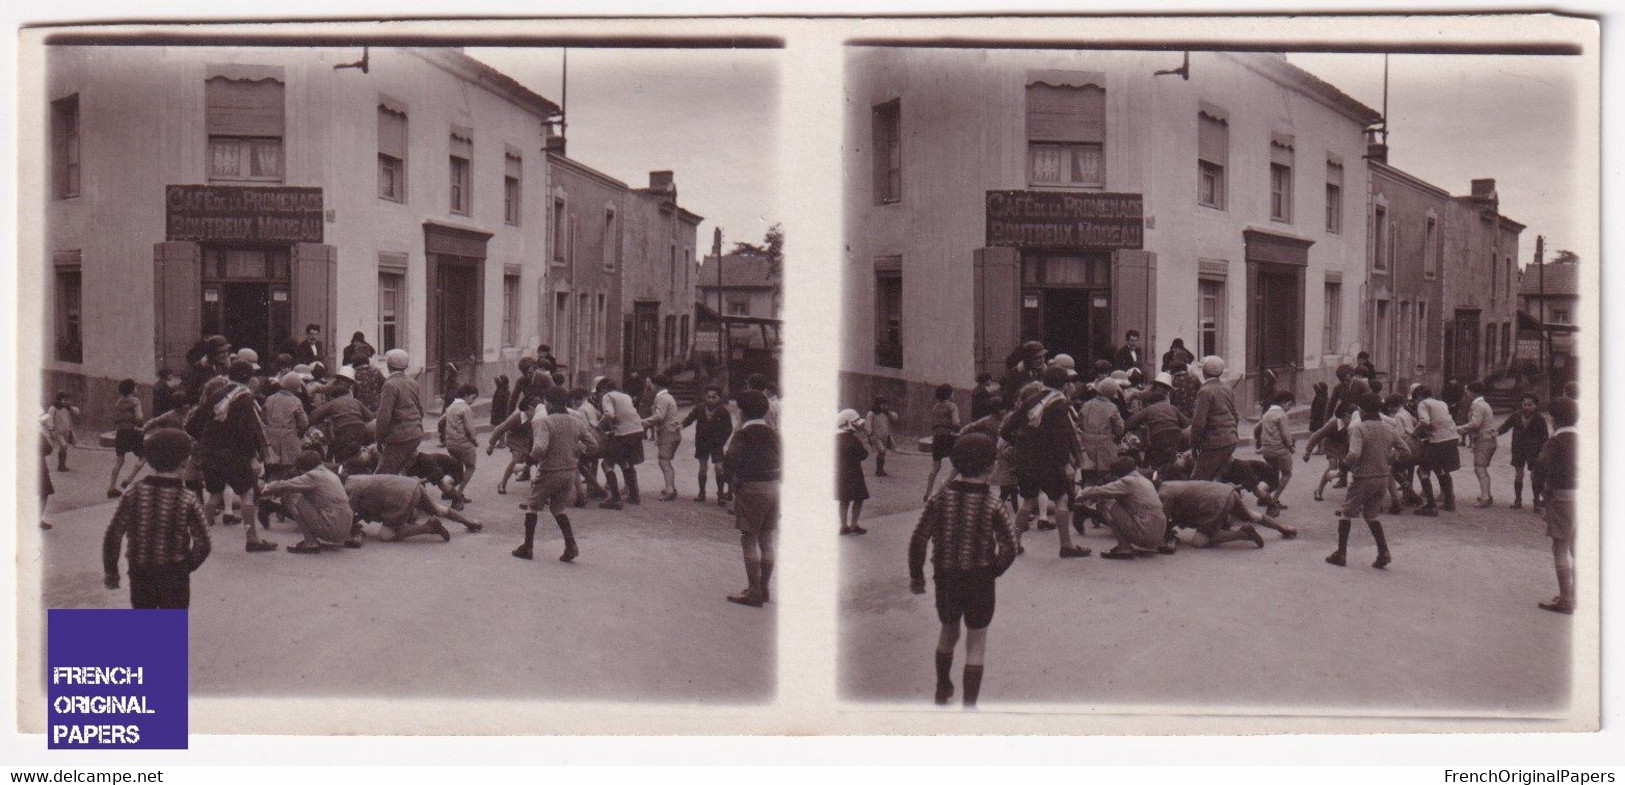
x,y
253,191
1000,196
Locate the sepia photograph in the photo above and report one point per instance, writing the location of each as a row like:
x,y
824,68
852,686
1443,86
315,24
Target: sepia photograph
x,y
1101,306
414,372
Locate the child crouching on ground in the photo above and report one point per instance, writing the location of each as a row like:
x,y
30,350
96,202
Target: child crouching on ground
x,y
972,543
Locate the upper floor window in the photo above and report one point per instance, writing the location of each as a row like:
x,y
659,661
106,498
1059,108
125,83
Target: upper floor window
x,y
1379,237
1281,177
1334,197
245,122
1066,131
462,155
510,188
391,152
1430,252
65,147
1212,156
888,150
560,231
612,243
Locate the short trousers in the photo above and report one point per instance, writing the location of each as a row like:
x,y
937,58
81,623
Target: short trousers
x,y
129,440
966,595
1281,462
553,490
162,588
668,443
1210,462
1483,451
756,507
1050,481
712,453
465,454
1559,515
1441,456
225,470
942,446
1366,498
625,450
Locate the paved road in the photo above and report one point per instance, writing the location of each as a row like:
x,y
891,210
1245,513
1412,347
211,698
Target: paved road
x,y
639,616
1451,625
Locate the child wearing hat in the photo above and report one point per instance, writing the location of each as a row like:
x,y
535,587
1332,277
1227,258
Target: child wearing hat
x,y
945,425
164,525
850,487
285,426
972,542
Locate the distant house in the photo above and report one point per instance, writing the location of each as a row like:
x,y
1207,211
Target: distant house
x,y
742,284
1560,294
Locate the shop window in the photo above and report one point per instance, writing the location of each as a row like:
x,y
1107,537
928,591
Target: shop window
x,y
1210,318
889,318
1212,157
510,189
65,147
1334,197
70,347
510,310
888,151
391,152
245,123
462,153
391,310
1066,132
1331,329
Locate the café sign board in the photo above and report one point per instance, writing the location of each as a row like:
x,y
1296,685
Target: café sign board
x,y
1062,221
234,213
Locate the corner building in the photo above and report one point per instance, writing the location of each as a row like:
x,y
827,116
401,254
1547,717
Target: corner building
x,y
998,196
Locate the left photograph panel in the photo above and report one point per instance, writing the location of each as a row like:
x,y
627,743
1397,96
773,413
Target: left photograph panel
x,y
413,372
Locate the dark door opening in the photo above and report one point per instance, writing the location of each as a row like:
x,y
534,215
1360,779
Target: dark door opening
x,y
245,315
645,336
1066,305
458,288
1066,324
1279,340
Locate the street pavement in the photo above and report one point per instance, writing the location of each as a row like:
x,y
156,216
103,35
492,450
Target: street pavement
x,y
1451,626
640,615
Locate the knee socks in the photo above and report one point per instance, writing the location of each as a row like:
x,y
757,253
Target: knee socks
x,y
973,685
564,529
1377,534
530,529
1344,526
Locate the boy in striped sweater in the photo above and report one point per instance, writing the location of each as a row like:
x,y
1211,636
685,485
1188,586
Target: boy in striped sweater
x,y
164,524
972,543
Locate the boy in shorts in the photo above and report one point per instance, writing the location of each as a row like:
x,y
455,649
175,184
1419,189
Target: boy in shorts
x,y
1480,427
972,543
395,500
461,441
752,459
440,471
1558,462
1207,508
713,425
945,427
1371,446
667,421
557,444
1133,510
127,422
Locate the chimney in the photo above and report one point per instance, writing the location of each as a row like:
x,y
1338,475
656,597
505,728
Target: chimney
x,y
1375,150
554,143
663,182
1484,189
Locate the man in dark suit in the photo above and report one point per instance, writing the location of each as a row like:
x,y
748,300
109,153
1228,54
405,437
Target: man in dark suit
x,y
310,350
1129,355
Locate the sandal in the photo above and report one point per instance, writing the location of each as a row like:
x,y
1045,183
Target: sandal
x,y
261,546
303,548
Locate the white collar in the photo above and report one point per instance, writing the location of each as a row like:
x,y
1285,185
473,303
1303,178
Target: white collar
x,y
1275,407
758,421
1566,429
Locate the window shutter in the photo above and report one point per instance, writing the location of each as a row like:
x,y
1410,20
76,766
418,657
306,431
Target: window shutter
x,y
177,289
1334,173
511,164
462,142
1212,139
1281,149
392,131
1065,113
1134,298
241,107
998,299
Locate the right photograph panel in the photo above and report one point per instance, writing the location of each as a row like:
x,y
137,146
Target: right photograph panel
x,y
1240,382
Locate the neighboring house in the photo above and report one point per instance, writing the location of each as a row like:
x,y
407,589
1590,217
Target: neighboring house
x,y
741,283
1478,295
1559,293
657,284
996,196
1405,245
583,300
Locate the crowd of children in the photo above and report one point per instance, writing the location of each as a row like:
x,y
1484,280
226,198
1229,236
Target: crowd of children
x,y
1133,456
293,444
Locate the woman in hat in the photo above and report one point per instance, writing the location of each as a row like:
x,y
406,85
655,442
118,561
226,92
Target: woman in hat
x,y
850,487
